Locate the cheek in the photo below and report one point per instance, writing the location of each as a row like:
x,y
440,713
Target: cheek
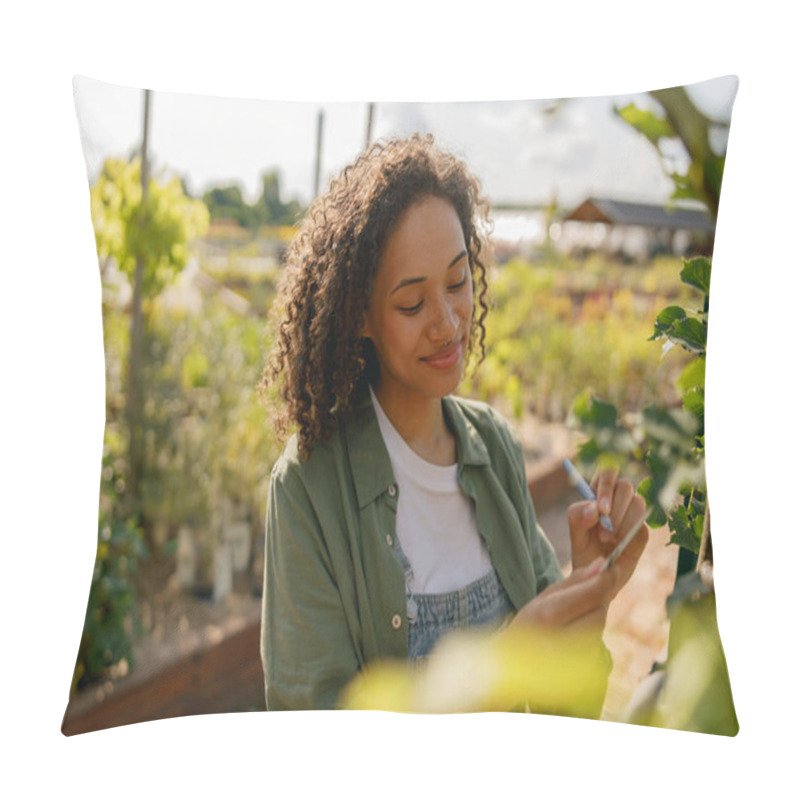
x,y
466,304
397,333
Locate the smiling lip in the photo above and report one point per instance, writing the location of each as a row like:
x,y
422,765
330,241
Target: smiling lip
x,y
445,359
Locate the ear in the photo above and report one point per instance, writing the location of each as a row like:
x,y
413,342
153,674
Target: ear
x,y
366,331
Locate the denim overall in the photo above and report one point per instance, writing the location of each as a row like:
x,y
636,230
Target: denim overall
x,y
483,602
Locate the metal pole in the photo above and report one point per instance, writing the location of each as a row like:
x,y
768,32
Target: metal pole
x,y
318,160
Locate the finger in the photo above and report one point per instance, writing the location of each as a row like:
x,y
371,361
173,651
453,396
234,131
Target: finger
x,y
620,508
581,517
603,485
569,601
577,575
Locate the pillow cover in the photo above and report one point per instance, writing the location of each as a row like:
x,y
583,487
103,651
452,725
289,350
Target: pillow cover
x,y
604,214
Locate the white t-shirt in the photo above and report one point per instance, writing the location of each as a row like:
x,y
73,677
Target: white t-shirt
x,y
436,522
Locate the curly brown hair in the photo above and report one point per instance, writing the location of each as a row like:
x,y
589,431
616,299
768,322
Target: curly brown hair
x,y
320,359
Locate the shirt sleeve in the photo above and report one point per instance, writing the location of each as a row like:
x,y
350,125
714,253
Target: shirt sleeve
x,y
545,563
306,643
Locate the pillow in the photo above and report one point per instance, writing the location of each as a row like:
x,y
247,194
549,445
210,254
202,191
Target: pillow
x,y
604,212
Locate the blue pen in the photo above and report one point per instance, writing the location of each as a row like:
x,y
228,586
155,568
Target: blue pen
x,y
585,491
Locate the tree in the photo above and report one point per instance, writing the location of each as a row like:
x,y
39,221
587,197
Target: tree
x,y
227,202
159,230
683,121
270,209
269,204
146,230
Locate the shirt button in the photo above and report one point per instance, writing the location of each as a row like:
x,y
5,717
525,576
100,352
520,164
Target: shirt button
x,y
392,490
388,540
397,621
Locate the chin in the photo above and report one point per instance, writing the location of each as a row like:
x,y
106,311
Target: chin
x,y
449,383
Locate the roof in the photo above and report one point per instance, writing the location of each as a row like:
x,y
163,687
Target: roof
x,y
618,212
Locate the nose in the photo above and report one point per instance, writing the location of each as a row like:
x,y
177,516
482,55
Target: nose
x,y
444,321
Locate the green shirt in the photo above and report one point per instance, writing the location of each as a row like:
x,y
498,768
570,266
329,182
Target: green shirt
x,y
334,589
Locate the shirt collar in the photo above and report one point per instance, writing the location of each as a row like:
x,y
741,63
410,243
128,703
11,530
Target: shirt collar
x,y
470,445
369,459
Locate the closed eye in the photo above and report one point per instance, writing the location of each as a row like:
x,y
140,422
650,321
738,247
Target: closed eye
x,y
456,286
410,309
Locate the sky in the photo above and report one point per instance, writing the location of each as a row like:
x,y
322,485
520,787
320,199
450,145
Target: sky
x,y
524,151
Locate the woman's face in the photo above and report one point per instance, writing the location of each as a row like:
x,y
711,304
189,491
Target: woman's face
x,y
420,311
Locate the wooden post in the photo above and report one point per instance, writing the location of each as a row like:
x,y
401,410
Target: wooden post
x,y
370,116
135,389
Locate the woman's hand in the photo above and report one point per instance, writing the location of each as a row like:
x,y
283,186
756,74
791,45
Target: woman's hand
x,y
590,540
579,601
568,619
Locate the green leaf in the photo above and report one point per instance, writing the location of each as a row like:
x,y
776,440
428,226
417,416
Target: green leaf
x,y
691,333
694,402
594,412
697,272
592,453
653,485
714,166
684,189
607,460
665,320
686,331
687,529
647,123
697,503
589,452
671,426
646,489
693,375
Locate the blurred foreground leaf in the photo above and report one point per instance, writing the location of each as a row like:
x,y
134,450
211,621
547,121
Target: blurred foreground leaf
x,y
547,672
696,695
647,123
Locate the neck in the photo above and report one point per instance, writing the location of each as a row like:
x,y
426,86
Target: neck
x,y
421,423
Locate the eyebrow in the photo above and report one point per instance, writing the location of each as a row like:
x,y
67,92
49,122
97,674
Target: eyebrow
x,y
409,281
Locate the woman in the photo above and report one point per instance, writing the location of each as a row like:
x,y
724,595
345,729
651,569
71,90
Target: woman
x,y
397,511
